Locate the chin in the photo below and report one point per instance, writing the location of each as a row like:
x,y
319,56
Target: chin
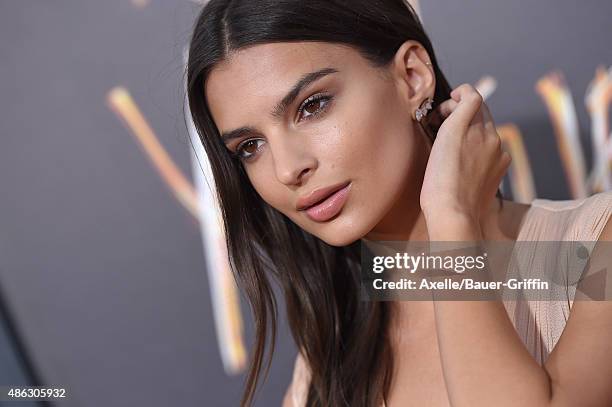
x,y
341,232
339,240
333,236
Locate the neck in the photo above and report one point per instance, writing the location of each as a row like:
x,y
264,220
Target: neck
x,y
407,223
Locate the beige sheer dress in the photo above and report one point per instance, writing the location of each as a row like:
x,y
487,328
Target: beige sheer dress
x,y
538,323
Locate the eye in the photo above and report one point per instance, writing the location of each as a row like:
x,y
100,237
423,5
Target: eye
x,y
247,149
314,105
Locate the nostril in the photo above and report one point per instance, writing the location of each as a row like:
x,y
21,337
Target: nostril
x,y
303,174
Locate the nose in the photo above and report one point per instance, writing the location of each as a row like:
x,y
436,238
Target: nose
x,y
293,162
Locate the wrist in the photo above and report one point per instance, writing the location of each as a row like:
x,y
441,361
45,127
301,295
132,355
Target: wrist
x,y
453,225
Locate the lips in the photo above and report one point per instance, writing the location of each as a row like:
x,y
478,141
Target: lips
x,y
318,195
325,203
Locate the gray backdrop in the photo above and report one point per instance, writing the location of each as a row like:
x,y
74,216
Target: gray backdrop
x,y
101,268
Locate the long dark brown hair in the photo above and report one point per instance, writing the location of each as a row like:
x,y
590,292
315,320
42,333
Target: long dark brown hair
x,y
343,339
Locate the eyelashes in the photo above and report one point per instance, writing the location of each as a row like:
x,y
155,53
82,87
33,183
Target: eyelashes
x,y
248,149
244,146
312,100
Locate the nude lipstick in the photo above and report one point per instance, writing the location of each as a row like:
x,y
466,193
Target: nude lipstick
x,y
326,203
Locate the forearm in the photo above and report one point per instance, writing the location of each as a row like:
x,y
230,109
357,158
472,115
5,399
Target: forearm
x,y
484,361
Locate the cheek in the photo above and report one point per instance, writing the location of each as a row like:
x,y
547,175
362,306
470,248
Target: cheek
x,y
264,185
275,194
375,141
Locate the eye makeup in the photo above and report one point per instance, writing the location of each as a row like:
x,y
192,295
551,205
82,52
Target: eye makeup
x,y
318,99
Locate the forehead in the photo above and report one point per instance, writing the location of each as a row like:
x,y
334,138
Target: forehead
x,y
257,77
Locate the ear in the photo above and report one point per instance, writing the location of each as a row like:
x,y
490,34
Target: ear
x,y
415,78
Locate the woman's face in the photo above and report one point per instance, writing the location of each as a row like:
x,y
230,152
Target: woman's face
x,y
347,132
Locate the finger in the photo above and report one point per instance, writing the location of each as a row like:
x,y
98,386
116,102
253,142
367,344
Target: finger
x,y
449,105
466,91
489,126
446,108
506,158
499,171
440,113
487,117
462,90
469,102
504,162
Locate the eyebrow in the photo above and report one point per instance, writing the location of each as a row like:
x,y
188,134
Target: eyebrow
x,y
282,106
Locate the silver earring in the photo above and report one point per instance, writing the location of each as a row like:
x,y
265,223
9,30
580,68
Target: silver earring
x,y
423,109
